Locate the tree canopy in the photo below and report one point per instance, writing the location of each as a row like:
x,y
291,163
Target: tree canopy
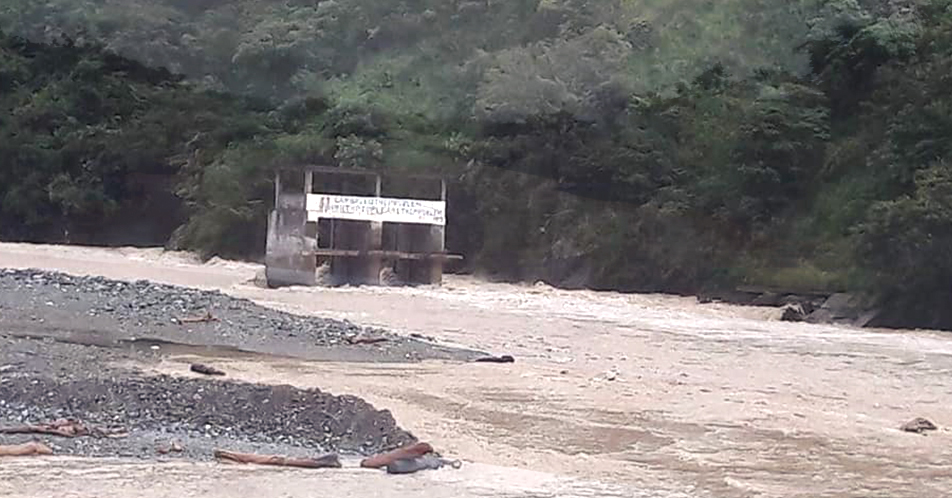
x,y
624,144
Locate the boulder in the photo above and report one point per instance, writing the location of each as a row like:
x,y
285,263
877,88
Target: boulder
x,y
738,297
807,302
918,425
844,309
323,275
793,313
389,277
767,299
261,279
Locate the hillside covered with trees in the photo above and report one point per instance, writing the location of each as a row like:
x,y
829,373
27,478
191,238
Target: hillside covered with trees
x,y
648,145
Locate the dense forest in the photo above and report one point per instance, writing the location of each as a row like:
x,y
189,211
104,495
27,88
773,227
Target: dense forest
x,y
645,145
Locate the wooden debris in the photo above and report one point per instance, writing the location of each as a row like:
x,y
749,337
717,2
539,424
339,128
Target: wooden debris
x,y
410,451
496,359
205,369
26,449
918,425
366,338
66,428
207,317
113,433
425,462
173,447
62,427
321,462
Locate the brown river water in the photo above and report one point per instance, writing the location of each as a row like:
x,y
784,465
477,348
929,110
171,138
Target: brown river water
x,y
610,395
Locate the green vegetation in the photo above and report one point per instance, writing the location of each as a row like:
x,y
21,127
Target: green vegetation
x,y
630,144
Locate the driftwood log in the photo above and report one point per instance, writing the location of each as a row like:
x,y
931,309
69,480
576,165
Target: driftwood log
x,y
207,317
205,369
496,359
425,462
321,462
25,449
407,452
64,428
366,338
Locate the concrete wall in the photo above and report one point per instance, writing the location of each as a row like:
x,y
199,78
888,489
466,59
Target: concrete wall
x,y
292,240
289,258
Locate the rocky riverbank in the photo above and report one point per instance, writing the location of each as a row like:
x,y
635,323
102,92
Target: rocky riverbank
x,y
65,341
96,310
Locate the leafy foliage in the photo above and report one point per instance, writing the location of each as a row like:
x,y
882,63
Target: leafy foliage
x,y
629,144
80,123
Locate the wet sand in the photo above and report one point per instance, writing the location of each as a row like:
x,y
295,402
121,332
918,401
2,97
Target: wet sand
x,y
706,400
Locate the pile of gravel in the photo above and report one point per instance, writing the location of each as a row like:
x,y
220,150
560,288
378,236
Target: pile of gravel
x,y
64,338
148,305
192,410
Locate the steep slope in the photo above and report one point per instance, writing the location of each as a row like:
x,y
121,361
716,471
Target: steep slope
x,y
627,144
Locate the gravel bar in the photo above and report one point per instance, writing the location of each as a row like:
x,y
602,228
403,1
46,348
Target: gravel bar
x,y
63,339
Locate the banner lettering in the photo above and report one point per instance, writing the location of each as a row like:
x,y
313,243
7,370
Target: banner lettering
x,y
381,209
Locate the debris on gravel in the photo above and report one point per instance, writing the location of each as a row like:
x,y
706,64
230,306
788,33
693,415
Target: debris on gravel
x,y
110,311
146,304
328,461
918,425
199,409
425,462
205,369
496,359
66,343
25,449
409,451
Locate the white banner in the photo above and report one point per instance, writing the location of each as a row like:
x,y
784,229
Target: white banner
x,y
382,209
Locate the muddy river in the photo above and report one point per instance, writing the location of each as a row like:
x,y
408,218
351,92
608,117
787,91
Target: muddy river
x,y
610,395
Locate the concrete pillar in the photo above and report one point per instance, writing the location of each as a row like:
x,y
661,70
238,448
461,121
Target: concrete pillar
x,y
373,264
360,236
289,257
437,244
404,243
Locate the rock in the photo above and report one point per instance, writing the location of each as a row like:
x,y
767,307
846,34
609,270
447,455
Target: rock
x,y
389,277
808,303
323,275
261,279
793,313
739,297
843,309
767,299
918,425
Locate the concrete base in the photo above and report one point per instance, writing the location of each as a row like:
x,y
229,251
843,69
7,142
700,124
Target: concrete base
x,y
289,258
355,248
